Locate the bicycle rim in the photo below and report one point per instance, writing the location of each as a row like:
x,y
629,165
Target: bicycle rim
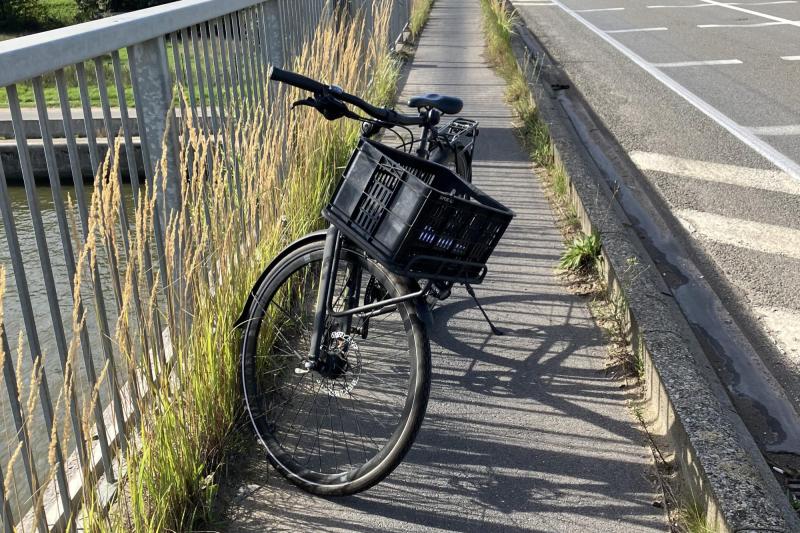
x,y
341,429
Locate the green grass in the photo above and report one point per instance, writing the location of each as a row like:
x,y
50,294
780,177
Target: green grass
x,y
59,13
582,254
44,15
421,10
26,96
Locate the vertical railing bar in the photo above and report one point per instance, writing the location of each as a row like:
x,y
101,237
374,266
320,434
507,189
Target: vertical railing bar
x,y
205,36
221,74
264,40
55,188
261,63
231,83
246,37
223,96
307,17
236,133
221,77
209,127
236,60
91,138
196,32
286,34
130,151
181,82
254,54
69,256
24,294
150,174
231,76
240,64
297,27
189,77
9,376
130,154
100,304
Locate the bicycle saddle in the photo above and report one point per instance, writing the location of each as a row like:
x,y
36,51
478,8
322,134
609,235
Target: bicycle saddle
x,y
449,105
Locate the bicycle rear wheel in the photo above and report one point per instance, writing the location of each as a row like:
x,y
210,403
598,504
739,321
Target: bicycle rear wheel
x,y
340,429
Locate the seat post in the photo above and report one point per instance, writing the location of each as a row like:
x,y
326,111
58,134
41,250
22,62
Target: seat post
x,y
432,118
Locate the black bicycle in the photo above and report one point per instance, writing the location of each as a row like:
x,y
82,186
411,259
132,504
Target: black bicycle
x,y
336,364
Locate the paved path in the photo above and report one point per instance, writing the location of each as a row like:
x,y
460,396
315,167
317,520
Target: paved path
x,y
524,432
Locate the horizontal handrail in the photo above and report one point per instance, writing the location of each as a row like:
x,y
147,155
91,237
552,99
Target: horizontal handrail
x,y
26,57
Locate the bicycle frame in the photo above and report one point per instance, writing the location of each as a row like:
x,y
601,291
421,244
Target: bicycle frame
x,y
330,265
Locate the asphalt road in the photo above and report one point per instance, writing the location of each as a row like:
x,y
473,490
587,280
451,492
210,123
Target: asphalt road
x,y
525,431
705,97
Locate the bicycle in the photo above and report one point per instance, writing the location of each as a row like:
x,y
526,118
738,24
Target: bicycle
x,y
336,361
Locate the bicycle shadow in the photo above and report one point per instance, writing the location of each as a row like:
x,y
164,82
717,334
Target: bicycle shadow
x,y
464,469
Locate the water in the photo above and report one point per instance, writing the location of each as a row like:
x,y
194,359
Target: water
x,y
44,325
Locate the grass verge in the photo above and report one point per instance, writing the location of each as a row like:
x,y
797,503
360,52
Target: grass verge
x,y
420,12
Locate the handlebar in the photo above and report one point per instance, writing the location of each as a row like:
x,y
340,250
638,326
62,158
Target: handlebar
x,y
383,114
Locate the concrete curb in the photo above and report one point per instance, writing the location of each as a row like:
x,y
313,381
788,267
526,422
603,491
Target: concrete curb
x,y
720,465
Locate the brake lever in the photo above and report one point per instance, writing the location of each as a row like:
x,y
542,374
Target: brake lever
x,y
310,102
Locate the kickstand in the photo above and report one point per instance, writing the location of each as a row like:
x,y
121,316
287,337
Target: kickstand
x,y
471,291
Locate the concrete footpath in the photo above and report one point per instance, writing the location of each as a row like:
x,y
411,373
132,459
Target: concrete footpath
x,y
524,432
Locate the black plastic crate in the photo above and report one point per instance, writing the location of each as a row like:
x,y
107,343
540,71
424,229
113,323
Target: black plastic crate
x,y
416,217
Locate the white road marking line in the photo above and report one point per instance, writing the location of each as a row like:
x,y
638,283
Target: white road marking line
x,y
698,63
633,30
727,3
753,25
751,12
743,134
677,6
789,129
767,180
599,9
790,58
756,236
760,3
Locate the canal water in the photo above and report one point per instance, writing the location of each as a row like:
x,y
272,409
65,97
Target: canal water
x,y
44,325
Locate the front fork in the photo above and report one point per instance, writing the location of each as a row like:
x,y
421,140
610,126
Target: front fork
x,y
327,285
327,282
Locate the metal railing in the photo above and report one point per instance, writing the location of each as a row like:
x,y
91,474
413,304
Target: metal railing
x,y
64,96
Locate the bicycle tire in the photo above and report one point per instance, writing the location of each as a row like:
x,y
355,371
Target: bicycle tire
x,y
271,429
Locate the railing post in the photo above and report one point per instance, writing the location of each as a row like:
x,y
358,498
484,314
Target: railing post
x,y
274,28
153,91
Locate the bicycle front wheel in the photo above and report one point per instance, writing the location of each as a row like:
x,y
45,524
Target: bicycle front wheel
x,y
344,426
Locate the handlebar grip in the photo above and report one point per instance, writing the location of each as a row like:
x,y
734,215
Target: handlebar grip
x,y
297,80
